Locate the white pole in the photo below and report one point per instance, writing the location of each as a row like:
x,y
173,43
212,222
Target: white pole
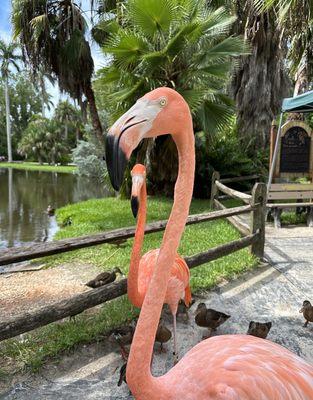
x,y
270,176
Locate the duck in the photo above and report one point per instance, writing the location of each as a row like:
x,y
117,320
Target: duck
x,y
259,329
104,278
124,336
209,318
307,310
163,335
50,210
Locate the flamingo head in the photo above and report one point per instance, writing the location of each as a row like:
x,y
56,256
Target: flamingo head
x,y
159,112
138,174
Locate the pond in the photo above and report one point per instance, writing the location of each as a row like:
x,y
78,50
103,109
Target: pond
x,y
25,196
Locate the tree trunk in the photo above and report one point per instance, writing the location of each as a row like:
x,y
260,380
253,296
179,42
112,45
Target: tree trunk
x,y
301,86
94,113
8,122
260,83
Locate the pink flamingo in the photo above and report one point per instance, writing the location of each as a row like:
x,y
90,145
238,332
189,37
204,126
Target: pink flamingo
x,y
141,269
229,367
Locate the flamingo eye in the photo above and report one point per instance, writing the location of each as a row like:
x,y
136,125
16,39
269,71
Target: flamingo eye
x,y
163,102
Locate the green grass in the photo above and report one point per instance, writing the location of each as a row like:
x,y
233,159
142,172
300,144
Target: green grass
x,y
32,166
94,216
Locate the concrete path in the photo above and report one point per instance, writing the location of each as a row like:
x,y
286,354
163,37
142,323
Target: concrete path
x,y
269,293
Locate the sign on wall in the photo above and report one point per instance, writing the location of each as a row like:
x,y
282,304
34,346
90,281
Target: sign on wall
x,y
295,154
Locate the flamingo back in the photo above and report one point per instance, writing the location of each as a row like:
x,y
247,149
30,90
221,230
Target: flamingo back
x,y
178,285
240,367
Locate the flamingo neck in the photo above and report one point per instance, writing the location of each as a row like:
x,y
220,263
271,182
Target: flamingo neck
x,y
132,281
139,378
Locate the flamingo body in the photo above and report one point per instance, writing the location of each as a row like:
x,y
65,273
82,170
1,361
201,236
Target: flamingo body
x,y
234,367
178,285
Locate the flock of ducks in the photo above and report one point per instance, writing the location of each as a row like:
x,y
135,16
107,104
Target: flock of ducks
x,y
204,317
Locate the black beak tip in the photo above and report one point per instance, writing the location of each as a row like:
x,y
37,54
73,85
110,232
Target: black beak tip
x,y
134,206
116,161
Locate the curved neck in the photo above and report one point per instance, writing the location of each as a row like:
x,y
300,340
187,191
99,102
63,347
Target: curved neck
x,y
132,281
139,378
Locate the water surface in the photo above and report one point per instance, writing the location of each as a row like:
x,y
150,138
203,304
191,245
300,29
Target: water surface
x,y
25,196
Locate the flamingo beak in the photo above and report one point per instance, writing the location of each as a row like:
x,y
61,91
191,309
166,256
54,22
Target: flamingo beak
x,y
137,183
134,205
116,161
125,135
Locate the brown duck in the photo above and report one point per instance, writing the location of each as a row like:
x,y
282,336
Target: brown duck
x,y
259,329
124,336
163,335
209,318
104,278
307,310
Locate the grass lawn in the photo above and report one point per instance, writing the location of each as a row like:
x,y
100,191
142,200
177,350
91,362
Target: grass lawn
x,y
37,167
94,216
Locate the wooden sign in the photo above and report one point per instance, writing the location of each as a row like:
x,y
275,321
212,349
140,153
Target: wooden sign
x,y
295,154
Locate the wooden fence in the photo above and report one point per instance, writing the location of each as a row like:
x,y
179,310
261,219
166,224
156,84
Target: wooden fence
x,y
253,236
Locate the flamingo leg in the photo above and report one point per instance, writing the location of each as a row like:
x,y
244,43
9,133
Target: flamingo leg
x,y
175,353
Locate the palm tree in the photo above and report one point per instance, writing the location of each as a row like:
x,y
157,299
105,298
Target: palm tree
x,y
261,79
8,58
70,118
39,80
181,44
52,35
295,19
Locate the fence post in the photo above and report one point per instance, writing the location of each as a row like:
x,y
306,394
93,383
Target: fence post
x,y
258,202
214,190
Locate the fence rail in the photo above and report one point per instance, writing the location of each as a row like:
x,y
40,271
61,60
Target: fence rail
x,y
75,305
25,253
253,236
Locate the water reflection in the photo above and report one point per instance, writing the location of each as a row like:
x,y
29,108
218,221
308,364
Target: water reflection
x,y
25,196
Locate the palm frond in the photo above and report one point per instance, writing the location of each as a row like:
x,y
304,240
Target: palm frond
x,y
152,16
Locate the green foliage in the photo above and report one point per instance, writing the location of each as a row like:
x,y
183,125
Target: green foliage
x,y
180,44
225,154
43,141
89,161
24,103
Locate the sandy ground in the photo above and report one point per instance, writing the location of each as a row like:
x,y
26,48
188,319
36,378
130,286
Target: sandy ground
x,y
24,291
269,293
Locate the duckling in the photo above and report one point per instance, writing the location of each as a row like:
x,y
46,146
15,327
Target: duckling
x,y
50,211
122,375
163,335
183,309
259,329
307,310
104,278
209,318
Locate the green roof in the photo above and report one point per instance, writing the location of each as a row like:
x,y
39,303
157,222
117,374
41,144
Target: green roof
x,y
302,103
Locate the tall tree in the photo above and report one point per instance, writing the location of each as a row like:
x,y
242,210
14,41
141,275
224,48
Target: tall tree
x,y
261,81
8,59
52,34
71,120
295,19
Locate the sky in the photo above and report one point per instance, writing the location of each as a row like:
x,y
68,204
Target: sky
x,y
6,32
